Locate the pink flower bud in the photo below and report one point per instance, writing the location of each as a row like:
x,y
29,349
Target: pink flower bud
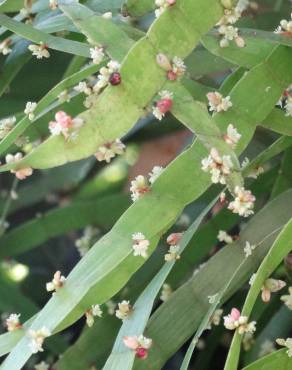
x,y
235,314
164,105
172,76
266,295
163,62
131,342
141,353
174,238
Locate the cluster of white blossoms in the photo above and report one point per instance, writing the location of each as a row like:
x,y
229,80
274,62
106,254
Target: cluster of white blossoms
x,y
140,185
217,103
29,110
286,343
173,251
42,366
65,125
253,172
223,236
248,249
140,245
139,344
4,47
165,292
6,125
84,243
94,311
40,51
57,282
162,5
109,150
271,286
287,299
12,322
37,338
285,27
243,202
124,310
96,54
163,105
219,167
232,136
108,74
226,29
20,173
235,321
64,97
175,68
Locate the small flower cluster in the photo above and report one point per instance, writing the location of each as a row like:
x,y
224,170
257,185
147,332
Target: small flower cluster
x,y
285,27
162,5
40,51
140,245
232,136
173,252
248,249
226,29
64,97
219,167
223,236
124,310
65,125
4,47
84,243
21,173
254,172
235,321
96,55
243,202
139,344
29,110
57,282
109,74
287,299
13,322
163,105
140,185
37,338
94,311
215,318
165,292
286,343
109,150
217,103
271,286
6,125
175,68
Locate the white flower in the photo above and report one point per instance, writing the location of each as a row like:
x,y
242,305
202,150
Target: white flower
x,y
37,339
105,74
155,173
53,4
285,27
235,321
64,96
230,16
140,245
96,54
94,311
232,137
57,282
230,33
248,249
271,286
20,173
165,292
286,343
12,322
288,107
6,125
287,299
173,253
42,366
124,310
82,87
218,103
29,109
139,186
162,5
219,167
224,237
109,150
4,47
40,51
243,203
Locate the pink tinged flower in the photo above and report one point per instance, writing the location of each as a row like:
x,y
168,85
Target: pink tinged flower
x,y
219,167
65,125
174,238
271,286
109,150
13,322
140,245
131,342
21,173
139,344
37,338
57,282
243,203
139,187
218,103
163,105
235,321
232,136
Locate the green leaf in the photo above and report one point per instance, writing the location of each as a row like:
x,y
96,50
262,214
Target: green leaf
x,y
277,360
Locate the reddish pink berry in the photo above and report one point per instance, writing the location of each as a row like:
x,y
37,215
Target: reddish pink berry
x,y
164,105
171,75
115,78
141,352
